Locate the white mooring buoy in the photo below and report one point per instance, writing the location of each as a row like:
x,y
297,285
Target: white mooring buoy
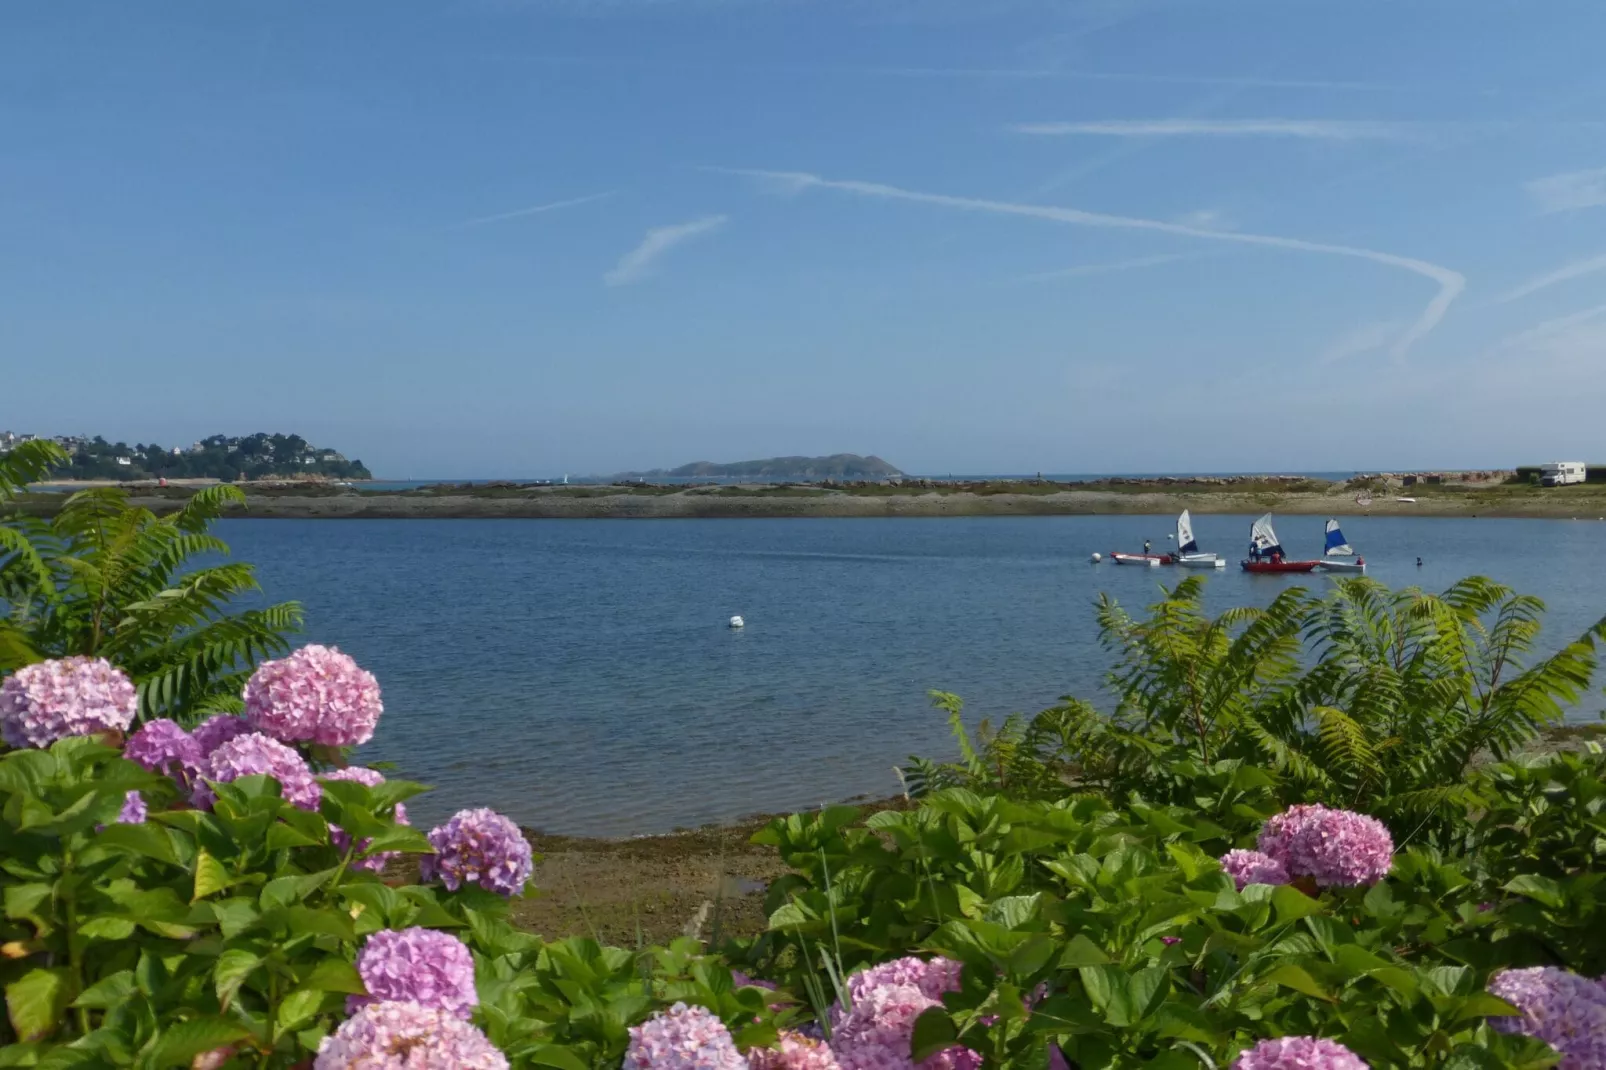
x,y
1097,558
738,622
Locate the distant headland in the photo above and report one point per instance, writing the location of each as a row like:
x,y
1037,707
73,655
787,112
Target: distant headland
x,y
224,458
836,466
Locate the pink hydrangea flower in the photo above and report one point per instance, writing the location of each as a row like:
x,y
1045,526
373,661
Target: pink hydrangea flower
x,y
1299,1053
932,976
51,700
423,966
371,778
133,811
1335,847
1253,867
406,1036
479,847
218,730
794,1051
316,695
1563,1009
876,1033
215,1059
254,754
163,747
682,1038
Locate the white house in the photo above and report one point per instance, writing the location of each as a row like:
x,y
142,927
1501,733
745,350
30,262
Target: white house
x,y
125,461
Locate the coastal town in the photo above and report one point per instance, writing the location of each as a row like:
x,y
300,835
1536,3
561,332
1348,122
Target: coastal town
x,y
225,458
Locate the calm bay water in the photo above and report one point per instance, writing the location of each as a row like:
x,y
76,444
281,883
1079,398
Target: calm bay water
x,y
579,675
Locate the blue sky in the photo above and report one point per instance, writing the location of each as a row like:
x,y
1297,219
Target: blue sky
x,y
524,237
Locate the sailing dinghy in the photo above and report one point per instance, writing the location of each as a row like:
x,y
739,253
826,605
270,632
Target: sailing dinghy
x,y
1266,553
1147,560
1188,553
1339,555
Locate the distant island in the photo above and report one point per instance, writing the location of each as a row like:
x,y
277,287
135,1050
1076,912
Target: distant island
x,y
836,466
221,457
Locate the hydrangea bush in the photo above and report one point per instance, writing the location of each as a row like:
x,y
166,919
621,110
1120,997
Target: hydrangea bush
x,y
236,895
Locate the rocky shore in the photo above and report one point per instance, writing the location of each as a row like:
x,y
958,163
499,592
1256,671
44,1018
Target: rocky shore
x,y
914,498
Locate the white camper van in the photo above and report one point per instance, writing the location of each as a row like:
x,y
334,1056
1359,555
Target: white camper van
x,y
1561,473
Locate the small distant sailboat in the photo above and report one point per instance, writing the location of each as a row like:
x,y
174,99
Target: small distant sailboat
x,y
1266,552
1338,552
1188,554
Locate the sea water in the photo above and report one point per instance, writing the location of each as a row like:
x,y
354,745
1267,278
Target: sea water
x,y
580,675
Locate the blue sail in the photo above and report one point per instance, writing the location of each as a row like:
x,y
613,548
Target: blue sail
x,y
1337,545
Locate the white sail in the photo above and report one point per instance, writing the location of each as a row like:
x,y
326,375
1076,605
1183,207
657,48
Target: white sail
x,y
1337,545
1185,540
1262,537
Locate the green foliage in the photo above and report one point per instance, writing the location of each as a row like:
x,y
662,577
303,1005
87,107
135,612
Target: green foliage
x,y
1367,699
222,457
142,945
104,578
1140,950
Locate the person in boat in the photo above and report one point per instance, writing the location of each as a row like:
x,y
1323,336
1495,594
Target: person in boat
x,y
1145,546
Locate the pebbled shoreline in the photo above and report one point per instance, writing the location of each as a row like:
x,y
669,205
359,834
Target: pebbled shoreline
x,y
1585,502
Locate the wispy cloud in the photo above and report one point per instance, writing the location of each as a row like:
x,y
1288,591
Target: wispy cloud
x,y
637,263
1568,191
537,209
1207,219
1363,339
1561,274
1083,270
1319,129
1550,330
1055,74
1450,283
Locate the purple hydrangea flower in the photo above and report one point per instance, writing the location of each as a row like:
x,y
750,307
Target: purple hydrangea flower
x,y
1563,1009
316,695
1299,1053
163,747
479,847
682,1038
406,1036
423,966
933,977
133,812
1335,847
741,980
218,730
51,700
876,1033
371,778
794,1051
1253,867
255,753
